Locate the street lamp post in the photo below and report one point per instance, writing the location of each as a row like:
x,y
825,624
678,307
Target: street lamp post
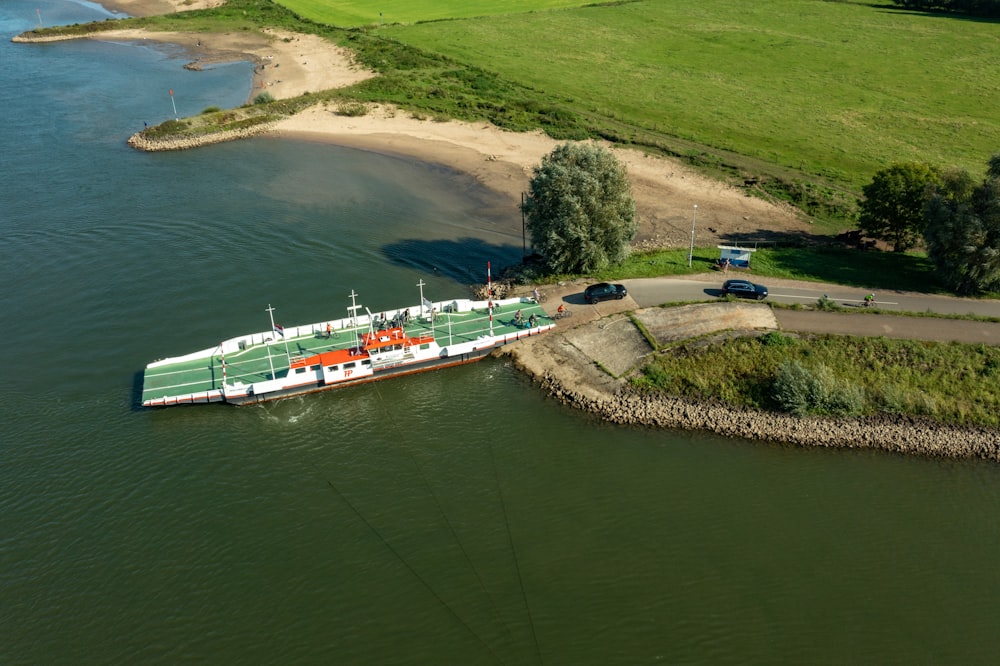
x,y
694,217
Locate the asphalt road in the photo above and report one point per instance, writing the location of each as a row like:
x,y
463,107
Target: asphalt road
x,y
649,292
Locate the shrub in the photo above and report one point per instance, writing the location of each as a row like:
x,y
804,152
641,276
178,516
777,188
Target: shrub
x,y
775,339
892,398
827,303
352,109
801,390
263,98
654,375
792,388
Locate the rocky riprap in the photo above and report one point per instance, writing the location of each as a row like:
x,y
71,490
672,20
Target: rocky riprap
x,y
141,142
897,433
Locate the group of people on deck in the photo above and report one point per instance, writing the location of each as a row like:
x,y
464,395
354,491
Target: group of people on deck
x,y
519,319
399,319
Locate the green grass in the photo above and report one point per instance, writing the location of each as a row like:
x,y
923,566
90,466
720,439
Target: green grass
x,y
849,267
951,383
353,13
834,89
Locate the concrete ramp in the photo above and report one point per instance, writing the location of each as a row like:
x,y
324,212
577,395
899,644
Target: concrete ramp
x,y
614,343
691,321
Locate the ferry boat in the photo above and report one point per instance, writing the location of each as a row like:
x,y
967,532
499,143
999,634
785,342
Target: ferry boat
x,y
329,354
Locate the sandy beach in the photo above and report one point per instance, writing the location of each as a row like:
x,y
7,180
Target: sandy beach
x,y
290,64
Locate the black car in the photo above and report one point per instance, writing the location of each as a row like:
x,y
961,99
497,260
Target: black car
x,y
744,289
596,293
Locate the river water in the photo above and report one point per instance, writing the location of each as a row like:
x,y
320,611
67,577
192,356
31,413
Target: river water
x,y
456,517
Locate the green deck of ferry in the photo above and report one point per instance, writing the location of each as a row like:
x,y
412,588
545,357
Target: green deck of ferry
x,y
254,363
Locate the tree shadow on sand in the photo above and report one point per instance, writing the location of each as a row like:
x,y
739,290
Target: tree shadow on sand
x,y
462,260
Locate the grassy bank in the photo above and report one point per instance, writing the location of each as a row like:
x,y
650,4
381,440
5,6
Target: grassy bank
x,y
951,383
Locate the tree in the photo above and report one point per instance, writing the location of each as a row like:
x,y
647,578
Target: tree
x,y
962,231
892,209
971,7
580,210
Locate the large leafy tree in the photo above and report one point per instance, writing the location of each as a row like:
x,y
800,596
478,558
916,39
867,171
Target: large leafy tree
x,y
580,210
972,7
963,231
892,209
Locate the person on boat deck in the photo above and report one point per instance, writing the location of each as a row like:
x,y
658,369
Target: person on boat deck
x,y
534,293
532,320
518,317
329,329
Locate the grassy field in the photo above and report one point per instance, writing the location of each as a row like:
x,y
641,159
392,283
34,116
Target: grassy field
x,y
835,89
353,13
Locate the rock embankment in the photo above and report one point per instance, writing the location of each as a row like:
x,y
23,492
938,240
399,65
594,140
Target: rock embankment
x,y
891,433
28,38
572,374
140,142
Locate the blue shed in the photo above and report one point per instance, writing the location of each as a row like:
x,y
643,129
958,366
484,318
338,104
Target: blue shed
x,y
739,257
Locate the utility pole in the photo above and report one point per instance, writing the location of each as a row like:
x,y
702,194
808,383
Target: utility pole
x,y
694,217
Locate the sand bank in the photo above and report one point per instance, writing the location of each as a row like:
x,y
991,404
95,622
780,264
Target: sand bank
x,y
665,190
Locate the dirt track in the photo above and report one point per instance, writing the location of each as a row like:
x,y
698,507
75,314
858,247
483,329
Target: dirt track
x,y
890,326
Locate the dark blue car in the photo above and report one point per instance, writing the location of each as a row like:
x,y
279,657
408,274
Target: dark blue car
x,y
596,293
744,289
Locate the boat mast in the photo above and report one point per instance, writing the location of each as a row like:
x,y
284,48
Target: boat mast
x,y
421,285
270,311
489,295
222,359
280,330
354,316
